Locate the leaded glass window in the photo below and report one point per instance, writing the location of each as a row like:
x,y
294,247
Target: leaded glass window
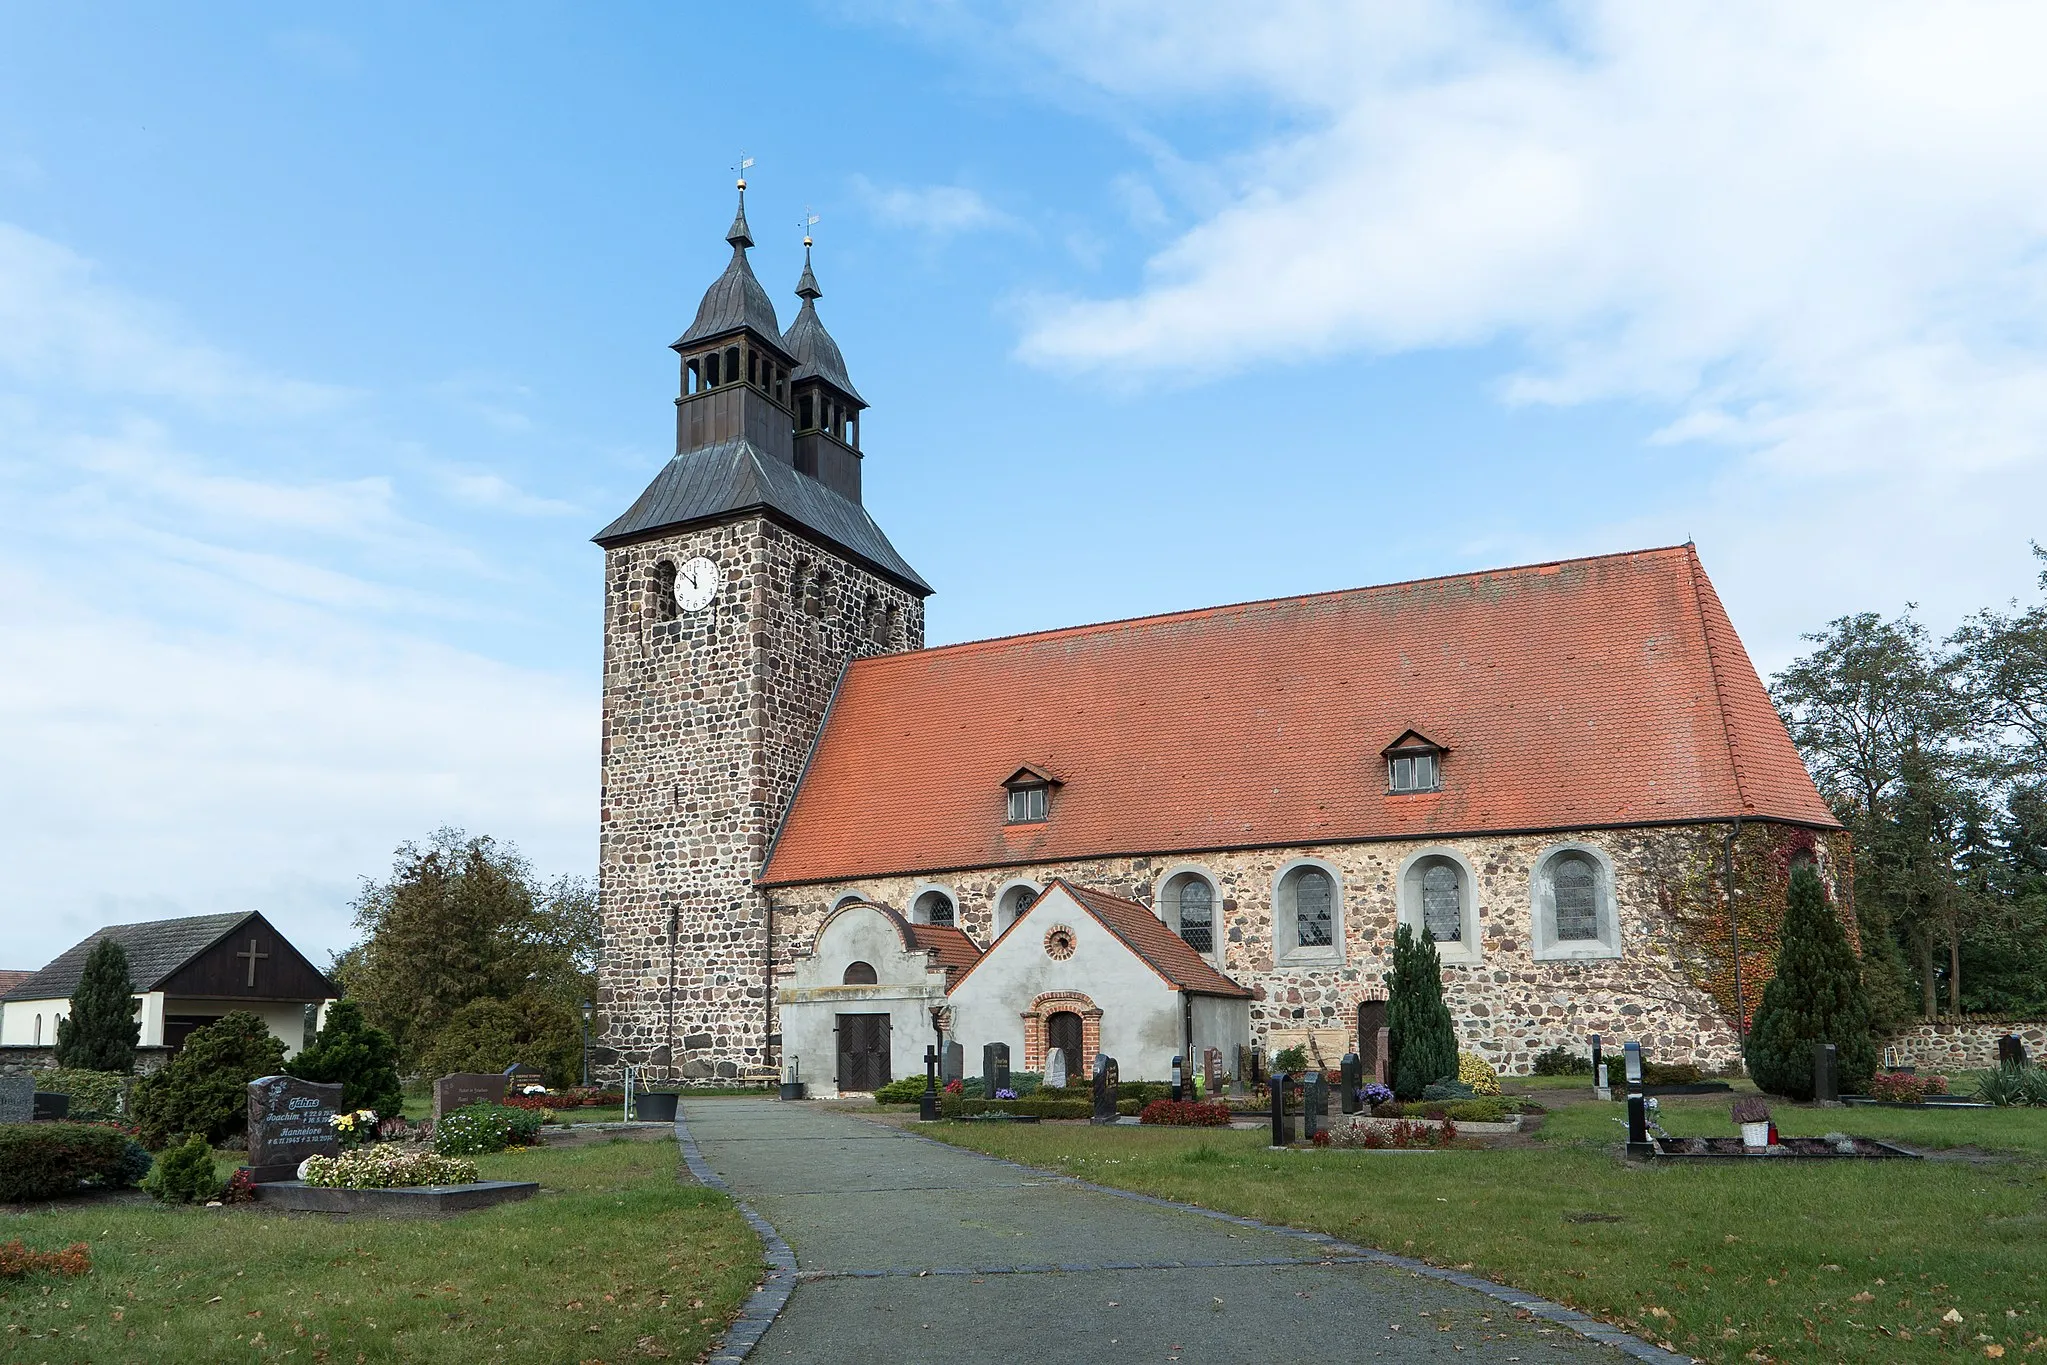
x,y
1575,884
935,908
1442,903
1197,914
1314,917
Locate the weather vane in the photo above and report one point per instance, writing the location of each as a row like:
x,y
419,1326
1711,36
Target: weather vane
x,y
745,161
809,222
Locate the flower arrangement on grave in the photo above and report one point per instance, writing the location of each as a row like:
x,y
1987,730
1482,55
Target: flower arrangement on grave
x,y
1402,1133
955,1086
1005,1093
1372,1094
386,1168
1753,1114
1474,1071
240,1189
1899,1088
356,1126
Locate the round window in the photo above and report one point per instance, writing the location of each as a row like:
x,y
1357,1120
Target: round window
x,y
1059,943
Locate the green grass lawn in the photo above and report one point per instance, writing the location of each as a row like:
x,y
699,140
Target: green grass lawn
x,y
1793,1261
614,1260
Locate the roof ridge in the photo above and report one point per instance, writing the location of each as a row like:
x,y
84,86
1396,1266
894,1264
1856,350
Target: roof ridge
x,y
1191,613
1695,572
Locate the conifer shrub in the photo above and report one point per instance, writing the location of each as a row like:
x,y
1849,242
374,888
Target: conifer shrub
x,y
101,1031
1561,1061
52,1160
205,1088
1419,1032
184,1174
356,1054
1817,996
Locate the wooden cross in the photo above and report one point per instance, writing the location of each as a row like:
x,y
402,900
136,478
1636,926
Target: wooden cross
x,y
252,955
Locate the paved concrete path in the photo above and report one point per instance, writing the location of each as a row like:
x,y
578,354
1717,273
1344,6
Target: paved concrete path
x,y
910,1251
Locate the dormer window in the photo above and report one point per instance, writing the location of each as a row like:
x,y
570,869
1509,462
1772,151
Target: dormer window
x,y
1414,764
1030,795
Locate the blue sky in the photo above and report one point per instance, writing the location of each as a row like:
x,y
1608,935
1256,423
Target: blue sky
x,y
327,338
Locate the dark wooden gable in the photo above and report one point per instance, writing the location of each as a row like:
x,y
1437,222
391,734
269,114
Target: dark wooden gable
x,y
222,970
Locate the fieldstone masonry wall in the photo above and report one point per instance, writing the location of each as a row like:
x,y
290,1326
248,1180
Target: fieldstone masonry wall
x,y
708,718
1970,1045
1508,1007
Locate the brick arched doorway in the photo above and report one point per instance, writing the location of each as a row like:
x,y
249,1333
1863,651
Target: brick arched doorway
x,y
1079,1025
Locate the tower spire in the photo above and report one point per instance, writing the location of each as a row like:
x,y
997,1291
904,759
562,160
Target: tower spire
x,y
739,234
806,287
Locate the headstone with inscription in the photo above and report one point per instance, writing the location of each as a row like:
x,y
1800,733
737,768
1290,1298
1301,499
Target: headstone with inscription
x,y
1212,1071
1371,1018
52,1106
519,1075
1314,1105
17,1099
1382,1069
1826,1073
454,1091
288,1122
1282,1116
954,1066
1353,1080
995,1069
1055,1069
1179,1090
1106,1092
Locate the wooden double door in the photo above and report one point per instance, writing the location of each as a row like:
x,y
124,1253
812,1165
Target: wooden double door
x,y
863,1051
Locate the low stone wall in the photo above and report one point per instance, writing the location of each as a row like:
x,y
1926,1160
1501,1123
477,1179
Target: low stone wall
x,y
19,1060
1969,1045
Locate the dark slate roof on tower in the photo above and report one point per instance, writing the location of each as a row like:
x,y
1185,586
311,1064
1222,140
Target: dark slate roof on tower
x,y
735,299
155,948
817,355
735,476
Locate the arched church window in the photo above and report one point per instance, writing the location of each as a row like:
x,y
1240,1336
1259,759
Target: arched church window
x,y
1013,903
665,606
860,974
1197,914
1442,903
692,377
804,409
935,907
711,370
1313,908
731,364
1571,898
1575,882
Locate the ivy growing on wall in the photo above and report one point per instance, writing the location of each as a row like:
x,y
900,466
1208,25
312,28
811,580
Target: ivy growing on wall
x,y
1688,870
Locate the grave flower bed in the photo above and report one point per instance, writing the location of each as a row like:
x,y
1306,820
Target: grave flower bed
x,y
1382,1136
386,1168
476,1128
1186,1114
1898,1088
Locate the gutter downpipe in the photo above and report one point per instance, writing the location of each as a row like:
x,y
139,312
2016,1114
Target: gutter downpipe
x,y
1734,929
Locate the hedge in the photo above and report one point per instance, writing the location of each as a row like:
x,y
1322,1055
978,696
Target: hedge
x,y
954,1107
91,1092
50,1160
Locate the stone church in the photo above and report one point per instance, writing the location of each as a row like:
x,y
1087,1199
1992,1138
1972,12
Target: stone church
x,y
1149,836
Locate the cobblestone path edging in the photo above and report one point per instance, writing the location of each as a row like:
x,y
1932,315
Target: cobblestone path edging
x,y
765,1303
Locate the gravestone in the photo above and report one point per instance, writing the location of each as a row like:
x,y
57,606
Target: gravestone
x,y
1371,1018
1598,1060
288,1122
1638,1126
2011,1050
518,1076
1250,1065
995,1069
1212,1071
1353,1081
1105,1089
1633,1054
1179,1091
1282,1118
1826,1073
17,1099
451,1092
1382,1070
1055,1069
1314,1105
927,1103
954,1067
52,1107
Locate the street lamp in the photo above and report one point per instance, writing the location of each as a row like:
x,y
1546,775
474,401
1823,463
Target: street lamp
x,y
588,1010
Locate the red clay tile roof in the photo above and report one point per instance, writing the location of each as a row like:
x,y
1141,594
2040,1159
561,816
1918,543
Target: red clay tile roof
x,y
956,952
9,980
1147,935
1603,691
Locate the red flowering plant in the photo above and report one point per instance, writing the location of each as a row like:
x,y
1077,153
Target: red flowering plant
x,y
1899,1088
240,1189
1186,1114
1402,1133
955,1086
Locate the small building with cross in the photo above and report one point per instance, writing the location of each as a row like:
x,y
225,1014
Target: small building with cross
x,y
187,973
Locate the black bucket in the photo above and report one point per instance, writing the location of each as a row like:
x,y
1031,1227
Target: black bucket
x,y
654,1106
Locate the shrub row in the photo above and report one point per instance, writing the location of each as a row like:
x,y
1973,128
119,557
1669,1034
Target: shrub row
x,y
1186,1114
50,1160
93,1094
1034,1107
1489,1109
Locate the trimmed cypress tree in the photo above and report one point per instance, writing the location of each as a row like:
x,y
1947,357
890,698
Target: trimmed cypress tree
x,y
101,1031
1817,996
1420,1037
359,1055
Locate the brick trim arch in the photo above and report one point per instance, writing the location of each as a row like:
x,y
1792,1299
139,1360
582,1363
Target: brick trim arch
x,y
1049,1004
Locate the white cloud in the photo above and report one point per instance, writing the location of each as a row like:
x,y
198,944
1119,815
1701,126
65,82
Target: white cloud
x,y
1815,235
940,210
498,494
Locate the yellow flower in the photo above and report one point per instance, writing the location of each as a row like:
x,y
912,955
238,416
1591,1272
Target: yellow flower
x,y
1473,1071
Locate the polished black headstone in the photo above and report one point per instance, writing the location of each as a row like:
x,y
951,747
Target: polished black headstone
x,y
1180,1080
953,1067
289,1120
1826,1074
1105,1089
2011,1050
1314,1105
927,1104
1282,1117
995,1068
51,1105
1638,1127
1634,1056
1598,1060
1353,1081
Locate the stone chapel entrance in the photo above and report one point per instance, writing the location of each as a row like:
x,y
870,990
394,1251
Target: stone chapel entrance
x,y
863,1051
1062,1033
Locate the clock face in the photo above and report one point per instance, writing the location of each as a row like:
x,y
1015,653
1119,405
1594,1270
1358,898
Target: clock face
x,y
696,583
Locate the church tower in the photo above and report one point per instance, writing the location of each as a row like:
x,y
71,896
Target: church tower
x,y
736,590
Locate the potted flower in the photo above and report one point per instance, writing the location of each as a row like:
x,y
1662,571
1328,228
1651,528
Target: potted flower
x,y
1754,1117
355,1128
